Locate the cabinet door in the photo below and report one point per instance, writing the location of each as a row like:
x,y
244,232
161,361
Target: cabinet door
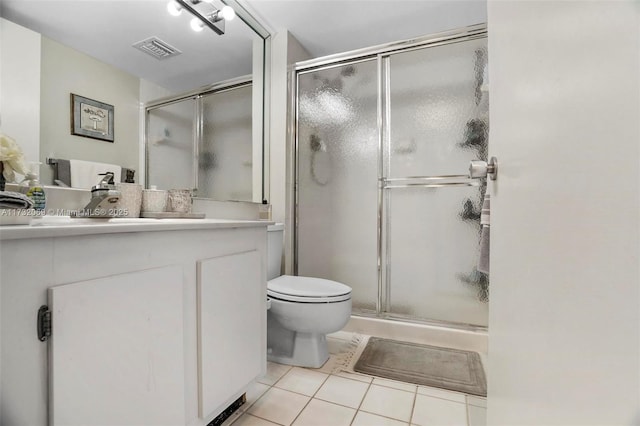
x,y
116,350
231,328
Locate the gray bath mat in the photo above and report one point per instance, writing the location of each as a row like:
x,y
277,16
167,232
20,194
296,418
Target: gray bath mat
x,y
425,365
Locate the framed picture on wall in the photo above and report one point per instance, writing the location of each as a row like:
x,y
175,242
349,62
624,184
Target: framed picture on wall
x,y
91,119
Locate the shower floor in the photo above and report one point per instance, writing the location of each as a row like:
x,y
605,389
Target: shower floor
x,y
335,395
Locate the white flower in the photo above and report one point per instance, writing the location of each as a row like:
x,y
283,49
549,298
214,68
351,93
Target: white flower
x,y
12,158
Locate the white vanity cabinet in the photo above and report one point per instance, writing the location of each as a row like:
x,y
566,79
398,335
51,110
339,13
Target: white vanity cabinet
x,y
227,348
116,351
150,326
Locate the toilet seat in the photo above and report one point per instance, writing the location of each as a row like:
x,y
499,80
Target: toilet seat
x,y
307,290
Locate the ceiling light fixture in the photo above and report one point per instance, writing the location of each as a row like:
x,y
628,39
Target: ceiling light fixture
x,y
226,13
174,8
213,19
196,25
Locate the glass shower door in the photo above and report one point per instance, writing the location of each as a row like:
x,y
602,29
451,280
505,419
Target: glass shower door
x,y
383,200
435,122
225,167
170,145
337,168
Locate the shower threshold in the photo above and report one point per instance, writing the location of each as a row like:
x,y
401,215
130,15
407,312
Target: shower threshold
x,y
471,338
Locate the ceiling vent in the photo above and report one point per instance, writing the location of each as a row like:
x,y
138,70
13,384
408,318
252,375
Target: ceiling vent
x,y
157,48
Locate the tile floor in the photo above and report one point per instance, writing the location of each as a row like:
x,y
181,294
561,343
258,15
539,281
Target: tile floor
x,y
304,397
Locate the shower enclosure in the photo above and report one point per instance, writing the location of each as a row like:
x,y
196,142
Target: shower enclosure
x,y
203,141
383,139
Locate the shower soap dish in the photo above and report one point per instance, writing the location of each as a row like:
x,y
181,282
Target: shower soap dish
x,y
172,215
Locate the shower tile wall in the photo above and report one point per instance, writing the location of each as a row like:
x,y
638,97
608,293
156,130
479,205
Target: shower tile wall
x,y
438,122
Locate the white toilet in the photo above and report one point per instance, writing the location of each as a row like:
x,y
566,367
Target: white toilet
x,y
303,310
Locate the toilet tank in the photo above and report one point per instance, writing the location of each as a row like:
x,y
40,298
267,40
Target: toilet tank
x,y
275,239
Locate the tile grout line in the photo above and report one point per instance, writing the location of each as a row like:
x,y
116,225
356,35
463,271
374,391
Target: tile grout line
x,y
361,401
262,418
246,410
413,406
280,378
359,408
357,381
443,399
387,417
310,399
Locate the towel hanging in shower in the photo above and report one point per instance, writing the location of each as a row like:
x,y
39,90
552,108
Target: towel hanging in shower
x,y
483,261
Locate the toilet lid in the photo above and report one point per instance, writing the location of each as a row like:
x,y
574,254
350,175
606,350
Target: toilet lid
x,y
307,289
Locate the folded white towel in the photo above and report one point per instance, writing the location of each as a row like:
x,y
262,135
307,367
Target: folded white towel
x,y
485,216
85,174
14,200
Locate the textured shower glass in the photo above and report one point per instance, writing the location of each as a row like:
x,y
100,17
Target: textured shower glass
x,y
434,116
432,255
225,161
438,117
437,123
337,176
170,142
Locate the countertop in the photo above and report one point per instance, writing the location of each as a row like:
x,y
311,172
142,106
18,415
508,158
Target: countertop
x,y
47,227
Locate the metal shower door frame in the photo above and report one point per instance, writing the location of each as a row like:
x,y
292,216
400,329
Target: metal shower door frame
x,y
198,120
382,55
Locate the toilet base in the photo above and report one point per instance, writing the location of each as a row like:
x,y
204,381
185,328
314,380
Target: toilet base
x,y
307,350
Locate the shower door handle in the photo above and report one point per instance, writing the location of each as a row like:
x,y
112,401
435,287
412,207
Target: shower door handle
x,y
479,169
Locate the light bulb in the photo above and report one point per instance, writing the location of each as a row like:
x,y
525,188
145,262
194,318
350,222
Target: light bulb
x,y
174,8
197,25
228,13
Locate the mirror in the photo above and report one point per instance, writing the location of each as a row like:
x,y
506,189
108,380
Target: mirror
x,y
205,140
88,49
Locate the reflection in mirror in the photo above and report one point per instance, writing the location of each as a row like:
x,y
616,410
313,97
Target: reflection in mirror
x,y
203,142
169,144
73,52
225,155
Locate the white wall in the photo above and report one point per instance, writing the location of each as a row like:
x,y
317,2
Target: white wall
x,y
20,87
66,71
285,51
564,317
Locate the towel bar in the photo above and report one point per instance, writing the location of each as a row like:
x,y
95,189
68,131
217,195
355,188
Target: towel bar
x,y
432,185
427,181
62,172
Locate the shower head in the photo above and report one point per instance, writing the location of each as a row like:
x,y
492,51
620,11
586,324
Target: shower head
x,y
348,71
337,82
317,145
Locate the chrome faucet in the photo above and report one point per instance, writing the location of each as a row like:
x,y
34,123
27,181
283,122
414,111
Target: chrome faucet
x,y
104,199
